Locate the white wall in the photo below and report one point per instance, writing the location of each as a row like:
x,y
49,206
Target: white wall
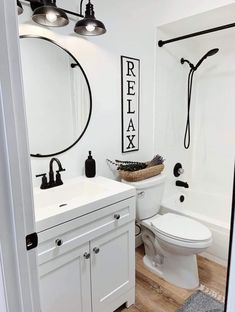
x,y
3,305
231,288
131,31
100,58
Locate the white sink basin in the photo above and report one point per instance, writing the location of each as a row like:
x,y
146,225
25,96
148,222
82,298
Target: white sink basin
x,y
64,194
75,198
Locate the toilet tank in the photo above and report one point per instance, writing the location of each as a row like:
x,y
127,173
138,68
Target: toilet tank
x,y
149,196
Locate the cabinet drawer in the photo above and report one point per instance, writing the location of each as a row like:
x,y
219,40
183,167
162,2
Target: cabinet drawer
x,y
79,231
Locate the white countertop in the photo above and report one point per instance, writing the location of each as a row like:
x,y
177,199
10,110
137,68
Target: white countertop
x,y
75,198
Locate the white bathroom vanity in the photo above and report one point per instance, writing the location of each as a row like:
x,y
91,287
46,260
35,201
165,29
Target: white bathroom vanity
x,y
86,252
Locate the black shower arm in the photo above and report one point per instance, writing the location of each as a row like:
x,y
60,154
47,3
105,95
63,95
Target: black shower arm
x,y
190,64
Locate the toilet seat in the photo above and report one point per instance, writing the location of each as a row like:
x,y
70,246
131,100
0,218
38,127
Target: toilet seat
x,y
179,230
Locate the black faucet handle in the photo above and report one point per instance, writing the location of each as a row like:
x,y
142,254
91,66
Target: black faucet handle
x,y
44,184
41,175
58,178
60,170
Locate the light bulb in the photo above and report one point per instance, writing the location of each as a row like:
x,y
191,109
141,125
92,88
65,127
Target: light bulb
x,y
90,27
51,17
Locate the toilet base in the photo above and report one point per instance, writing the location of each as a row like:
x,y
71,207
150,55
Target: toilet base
x,y
181,271
151,267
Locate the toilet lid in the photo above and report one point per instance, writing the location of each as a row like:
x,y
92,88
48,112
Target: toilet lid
x,y
180,227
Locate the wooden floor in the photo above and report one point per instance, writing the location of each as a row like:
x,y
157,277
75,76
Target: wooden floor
x,y
153,294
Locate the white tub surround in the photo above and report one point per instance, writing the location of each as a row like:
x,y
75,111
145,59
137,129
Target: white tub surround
x,y
86,252
208,163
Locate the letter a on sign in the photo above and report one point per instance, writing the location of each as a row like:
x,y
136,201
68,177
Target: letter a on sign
x,y
130,71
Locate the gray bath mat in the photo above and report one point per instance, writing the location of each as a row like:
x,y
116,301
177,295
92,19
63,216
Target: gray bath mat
x,y
201,302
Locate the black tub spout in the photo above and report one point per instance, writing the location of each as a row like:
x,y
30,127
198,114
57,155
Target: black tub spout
x,y
181,184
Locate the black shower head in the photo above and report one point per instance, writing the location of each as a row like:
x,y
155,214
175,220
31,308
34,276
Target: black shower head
x,y
209,53
212,52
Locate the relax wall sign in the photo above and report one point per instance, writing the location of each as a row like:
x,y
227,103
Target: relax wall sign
x,y
130,71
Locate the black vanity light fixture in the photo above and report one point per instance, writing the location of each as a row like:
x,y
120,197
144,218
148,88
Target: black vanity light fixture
x,y
19,7
46,13
50,15
90,26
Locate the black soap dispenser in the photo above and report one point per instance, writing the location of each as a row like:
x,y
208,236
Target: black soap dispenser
x,y
90,167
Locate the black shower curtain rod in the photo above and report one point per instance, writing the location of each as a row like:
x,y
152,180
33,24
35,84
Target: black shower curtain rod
x,y
161,43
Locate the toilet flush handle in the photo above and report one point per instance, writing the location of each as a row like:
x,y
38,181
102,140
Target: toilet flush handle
x,y
141,194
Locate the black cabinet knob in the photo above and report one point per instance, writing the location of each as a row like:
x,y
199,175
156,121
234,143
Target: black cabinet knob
x,y
59,242
96,250
117,216
86,255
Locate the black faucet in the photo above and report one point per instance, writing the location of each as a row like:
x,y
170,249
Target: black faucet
x,y
181,184
52,181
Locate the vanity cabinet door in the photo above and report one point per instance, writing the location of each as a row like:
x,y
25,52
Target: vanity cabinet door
x,y
112,267
65,282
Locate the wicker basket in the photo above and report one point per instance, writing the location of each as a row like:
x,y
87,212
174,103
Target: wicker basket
x,y
140,175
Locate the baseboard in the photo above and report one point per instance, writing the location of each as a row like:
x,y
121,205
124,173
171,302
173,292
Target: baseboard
x,y
214,259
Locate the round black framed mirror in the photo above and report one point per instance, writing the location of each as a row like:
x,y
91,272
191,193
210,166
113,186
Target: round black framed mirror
x,y
57,95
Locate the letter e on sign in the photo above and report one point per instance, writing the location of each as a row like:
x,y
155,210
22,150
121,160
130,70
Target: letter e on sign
x,y
130,75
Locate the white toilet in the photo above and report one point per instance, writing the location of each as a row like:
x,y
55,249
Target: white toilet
x,y
171,241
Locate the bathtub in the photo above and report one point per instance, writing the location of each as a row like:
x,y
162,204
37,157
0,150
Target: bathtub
x,y
207,209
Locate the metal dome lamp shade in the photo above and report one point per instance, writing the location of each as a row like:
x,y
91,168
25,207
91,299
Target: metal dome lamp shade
x,y
90,26
49,15
19,8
